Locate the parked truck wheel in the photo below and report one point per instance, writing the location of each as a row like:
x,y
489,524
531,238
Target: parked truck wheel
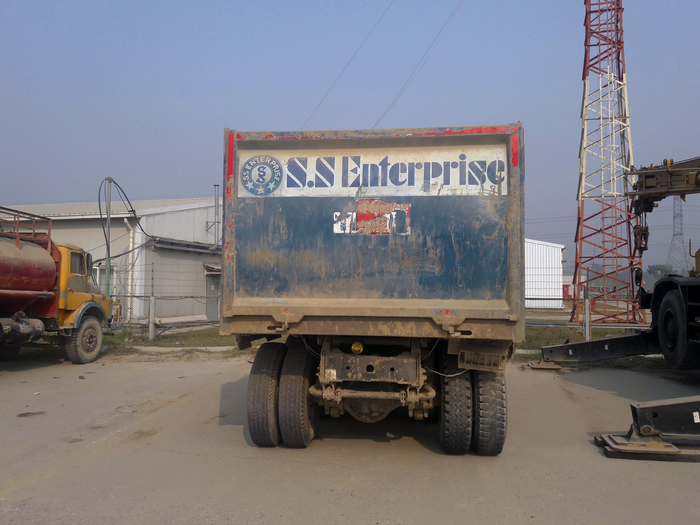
x,y
298,411
456,408
8,353
489,413
84,344
673,333
263,388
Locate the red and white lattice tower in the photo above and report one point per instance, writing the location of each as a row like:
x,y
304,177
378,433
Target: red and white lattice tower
x,y
605,255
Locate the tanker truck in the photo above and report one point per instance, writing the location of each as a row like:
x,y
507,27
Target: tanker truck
x,y
46,291
385,270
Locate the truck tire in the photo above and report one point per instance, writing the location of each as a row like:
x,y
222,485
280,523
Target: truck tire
x,y
489,413
298,411
456,408
8,353
85,343
263,388
673,333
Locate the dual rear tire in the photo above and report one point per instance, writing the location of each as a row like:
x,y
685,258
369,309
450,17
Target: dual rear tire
x,y
473,410
280,409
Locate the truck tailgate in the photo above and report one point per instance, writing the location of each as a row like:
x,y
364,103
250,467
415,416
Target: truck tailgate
x,y
406,233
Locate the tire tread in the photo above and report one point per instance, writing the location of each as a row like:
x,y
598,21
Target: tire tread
x,y
456,409
263,386
490,415
297,423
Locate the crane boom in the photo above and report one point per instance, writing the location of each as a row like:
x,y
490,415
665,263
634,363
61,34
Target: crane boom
x,y
655,183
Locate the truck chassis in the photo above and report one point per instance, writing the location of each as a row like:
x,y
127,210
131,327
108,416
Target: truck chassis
x,y
292,383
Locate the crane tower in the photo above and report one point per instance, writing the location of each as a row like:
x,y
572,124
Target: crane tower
x,y
606,258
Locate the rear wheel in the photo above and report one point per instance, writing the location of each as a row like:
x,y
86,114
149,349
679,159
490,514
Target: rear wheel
x,y
298,411
263,387
456,408
489,413
673,333
84,344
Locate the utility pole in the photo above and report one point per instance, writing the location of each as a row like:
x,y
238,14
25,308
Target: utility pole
x,y
215,223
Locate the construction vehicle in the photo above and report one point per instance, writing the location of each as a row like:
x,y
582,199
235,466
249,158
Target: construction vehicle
x,y
385,270
46,291
674,301
668,429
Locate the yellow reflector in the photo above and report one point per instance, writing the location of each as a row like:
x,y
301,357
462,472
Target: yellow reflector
x,y
357,348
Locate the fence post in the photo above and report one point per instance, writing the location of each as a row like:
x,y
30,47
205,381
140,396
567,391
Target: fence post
x,y
587,318
152,318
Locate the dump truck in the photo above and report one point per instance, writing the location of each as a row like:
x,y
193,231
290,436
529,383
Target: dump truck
x,y
384,271
46,291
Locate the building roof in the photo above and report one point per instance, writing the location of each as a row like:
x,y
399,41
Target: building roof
x,y
90,210
545,243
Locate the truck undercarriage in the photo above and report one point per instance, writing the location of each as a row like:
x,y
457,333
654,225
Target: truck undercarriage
x,y
292,382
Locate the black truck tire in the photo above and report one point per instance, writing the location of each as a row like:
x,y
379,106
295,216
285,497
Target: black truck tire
x,y
8,353
298,411
263,388
489,412
673,333
85,343
456,408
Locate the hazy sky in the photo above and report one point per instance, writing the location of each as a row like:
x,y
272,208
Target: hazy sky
x,y
141,91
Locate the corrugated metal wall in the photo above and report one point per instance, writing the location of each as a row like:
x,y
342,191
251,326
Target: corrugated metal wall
x,y
185,225
543,274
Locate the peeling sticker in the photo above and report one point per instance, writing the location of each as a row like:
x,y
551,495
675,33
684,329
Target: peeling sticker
x,y
374,217
344,222
696,417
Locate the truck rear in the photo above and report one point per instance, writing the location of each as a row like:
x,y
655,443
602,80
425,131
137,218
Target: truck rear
x,y
385,270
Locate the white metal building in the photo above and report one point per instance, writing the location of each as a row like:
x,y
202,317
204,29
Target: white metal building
x,y
543,274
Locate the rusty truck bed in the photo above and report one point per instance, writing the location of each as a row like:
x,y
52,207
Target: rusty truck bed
x,y
402,233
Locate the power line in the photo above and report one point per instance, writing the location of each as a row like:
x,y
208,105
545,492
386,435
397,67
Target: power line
x,y
346,65
421,62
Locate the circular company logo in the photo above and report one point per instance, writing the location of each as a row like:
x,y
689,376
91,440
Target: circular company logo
x,y
261,175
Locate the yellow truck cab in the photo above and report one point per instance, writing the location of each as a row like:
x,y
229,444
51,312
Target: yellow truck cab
x,y
83,311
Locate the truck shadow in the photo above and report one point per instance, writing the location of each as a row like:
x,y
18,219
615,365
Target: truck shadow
x,y
32,358
394,427
397,426
232,403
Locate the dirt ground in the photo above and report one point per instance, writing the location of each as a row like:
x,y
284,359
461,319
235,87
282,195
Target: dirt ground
x,y
162,439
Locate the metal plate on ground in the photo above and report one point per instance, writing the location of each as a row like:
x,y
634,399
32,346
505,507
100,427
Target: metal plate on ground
x,y
543,365
653,448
